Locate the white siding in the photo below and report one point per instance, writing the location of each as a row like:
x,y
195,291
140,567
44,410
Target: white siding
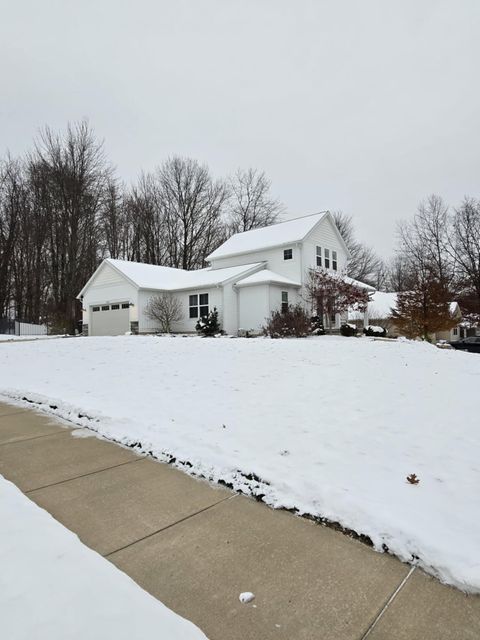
x,y
254,307
274,259
109,287
325,236
186,325
275,296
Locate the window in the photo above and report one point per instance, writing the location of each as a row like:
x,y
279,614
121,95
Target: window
x,y
105,307
319,256
327,258
287,254
203,305
95,308
115,307
334,260
125,305
284,301
198,305
193,306
455,331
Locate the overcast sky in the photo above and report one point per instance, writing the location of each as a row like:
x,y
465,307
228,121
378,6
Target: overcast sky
x,y
364,106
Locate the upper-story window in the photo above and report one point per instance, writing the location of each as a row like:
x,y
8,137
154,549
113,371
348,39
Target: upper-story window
x,y
334,260
327,258
287,254
198,305
284,301
319,256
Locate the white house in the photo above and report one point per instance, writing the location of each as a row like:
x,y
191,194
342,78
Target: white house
x,y
249,276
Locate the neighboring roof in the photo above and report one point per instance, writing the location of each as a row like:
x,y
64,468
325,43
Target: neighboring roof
x,y
281,233
150,276
265,277
381,305
361,285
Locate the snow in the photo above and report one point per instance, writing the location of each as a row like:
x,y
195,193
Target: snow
x,y
329,426
375,327
246,597
289,231
265,276
53,587
150,276
5,337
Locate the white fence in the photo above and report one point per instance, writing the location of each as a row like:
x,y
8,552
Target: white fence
x,y
29,329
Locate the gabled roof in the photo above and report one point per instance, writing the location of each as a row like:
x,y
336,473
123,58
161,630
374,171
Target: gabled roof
x,y
151,276
281,233
266,277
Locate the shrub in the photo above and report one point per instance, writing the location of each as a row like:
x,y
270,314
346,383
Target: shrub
x,y
291,322
374,331
209,325
348,330
316,326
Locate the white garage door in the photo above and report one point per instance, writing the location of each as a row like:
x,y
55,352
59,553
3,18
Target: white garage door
x,y
110,319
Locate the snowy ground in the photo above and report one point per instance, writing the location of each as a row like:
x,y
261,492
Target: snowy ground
x,y
329,426
53,587
6,337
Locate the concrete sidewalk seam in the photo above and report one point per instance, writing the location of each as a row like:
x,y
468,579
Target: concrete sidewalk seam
x,y
388,603
83,475
169,526
44,435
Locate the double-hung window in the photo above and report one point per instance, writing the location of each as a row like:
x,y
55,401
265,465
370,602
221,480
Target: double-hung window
x,y
327,258
288,254
319,256
198,305
284,301
334,260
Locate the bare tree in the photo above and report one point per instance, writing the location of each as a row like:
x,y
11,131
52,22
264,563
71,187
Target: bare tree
x,y
250,203
364,264
193,204
164,309
465,244
425,242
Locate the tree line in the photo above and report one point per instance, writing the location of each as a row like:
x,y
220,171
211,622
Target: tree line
x,y
63,210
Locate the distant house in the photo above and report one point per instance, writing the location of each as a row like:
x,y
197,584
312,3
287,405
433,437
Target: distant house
x,y
379,313
249,276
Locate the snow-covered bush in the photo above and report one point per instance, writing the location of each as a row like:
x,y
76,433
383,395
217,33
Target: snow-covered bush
x,y
348,330
316,326
375,331
291,322
209,325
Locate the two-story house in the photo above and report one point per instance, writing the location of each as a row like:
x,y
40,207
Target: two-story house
x,y
249,276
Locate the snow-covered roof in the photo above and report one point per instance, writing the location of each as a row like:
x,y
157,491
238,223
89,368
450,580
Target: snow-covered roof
x,y
381,305
266,276
151,276
281,233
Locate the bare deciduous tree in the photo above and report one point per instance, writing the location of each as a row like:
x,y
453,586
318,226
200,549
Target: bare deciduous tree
x,y
364,264
250,203
164,309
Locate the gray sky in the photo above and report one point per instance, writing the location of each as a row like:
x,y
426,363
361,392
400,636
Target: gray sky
x,y
365,106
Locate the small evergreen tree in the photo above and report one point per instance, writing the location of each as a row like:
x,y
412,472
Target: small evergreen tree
x,y
209,325
424,309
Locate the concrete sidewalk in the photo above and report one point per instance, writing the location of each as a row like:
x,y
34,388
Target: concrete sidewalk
x,y
196,547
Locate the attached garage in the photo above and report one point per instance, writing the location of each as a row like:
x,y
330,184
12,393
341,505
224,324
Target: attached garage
x,y
109,319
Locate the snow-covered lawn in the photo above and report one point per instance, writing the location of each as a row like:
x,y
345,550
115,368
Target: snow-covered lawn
x,y
52,587
329,426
